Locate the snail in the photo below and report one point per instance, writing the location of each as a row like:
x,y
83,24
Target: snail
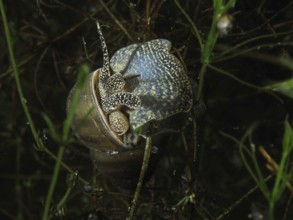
x,y
143,91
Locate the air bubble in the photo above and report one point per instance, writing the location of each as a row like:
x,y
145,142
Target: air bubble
x,y
87,188
174,172
236,127
45,134
112,152
154,150
24,100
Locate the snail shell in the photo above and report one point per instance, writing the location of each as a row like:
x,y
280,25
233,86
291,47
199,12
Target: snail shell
x,y
114,159
146,93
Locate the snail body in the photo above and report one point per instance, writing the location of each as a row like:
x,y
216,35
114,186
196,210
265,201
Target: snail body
x,y
142,91
111,156
160,81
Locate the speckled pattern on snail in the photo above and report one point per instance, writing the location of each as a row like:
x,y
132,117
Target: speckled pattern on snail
x,y
142,91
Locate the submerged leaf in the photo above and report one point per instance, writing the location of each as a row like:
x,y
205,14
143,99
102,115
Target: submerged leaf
x,y
284,87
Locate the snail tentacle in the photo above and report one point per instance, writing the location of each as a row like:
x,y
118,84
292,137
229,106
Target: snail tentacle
x,y
106,62
121,99
115,83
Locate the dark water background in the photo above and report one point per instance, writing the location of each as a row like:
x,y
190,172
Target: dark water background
x,y
48,45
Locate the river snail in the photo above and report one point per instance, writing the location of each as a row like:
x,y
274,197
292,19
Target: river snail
x,y
142,91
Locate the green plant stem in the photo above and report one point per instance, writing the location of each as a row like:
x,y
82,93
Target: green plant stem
x,y
201,81
64,199
237,47
233,77
282,174
41,11
210,43
28,115
271,209
53,182
280,181
18,188
287,150
80,179
17,79
208,48
256,172
144,167
194,28
81,80
29,118
124,30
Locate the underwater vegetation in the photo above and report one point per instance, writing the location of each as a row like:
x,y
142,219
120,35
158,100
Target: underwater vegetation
x,y
231,154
